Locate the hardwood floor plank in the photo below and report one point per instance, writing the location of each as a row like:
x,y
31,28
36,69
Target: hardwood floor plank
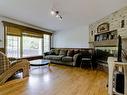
x,y
58,80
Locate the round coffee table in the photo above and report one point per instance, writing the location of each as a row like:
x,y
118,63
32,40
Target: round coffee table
x,y
40,62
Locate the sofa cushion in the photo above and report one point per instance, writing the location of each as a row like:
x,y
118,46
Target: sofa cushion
x,y
52,52
48,57
76,51
67,59
54,57
63,52
57,57
57,51
70,53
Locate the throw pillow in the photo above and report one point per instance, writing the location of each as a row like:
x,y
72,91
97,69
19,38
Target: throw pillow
x,y
70,53
57,51
52,52
76,51
63,52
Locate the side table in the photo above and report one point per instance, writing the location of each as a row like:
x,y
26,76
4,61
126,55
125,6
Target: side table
x,y
86,61
112,64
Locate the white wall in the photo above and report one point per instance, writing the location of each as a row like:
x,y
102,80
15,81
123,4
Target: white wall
x,y
73,38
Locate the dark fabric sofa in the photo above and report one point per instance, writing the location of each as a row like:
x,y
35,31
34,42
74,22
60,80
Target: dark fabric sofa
x,y
66,56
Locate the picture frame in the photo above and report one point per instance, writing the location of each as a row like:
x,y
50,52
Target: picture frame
x,y
104,27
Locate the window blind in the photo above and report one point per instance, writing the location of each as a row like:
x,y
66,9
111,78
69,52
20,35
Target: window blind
x,y
15,29
11,30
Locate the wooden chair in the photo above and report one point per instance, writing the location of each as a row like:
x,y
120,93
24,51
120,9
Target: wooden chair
x,y
86,58
7,68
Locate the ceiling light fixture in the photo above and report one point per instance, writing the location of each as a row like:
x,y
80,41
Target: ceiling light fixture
x,y
52,12
56,13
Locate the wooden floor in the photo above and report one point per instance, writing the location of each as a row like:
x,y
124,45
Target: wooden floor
x,y
58,80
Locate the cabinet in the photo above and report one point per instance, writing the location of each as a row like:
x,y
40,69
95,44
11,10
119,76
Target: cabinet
x,y
112,64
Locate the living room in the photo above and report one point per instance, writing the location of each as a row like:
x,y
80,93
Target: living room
x,y
59,47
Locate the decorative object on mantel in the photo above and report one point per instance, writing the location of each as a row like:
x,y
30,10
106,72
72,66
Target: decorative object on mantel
x,y
122,23
110,35
92,33
104,27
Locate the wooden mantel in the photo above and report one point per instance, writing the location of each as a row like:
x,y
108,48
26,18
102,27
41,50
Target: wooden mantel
x,y
105,43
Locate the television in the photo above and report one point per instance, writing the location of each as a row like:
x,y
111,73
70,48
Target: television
x,y
119,53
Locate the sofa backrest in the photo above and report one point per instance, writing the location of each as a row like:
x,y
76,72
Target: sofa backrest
x,y
63,52
72,51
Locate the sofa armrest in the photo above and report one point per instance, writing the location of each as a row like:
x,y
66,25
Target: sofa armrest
x,y
46,53
15,62
12,58
75,59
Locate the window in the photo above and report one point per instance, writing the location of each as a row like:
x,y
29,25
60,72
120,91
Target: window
x,y
13,46
32,46
25,41
46,43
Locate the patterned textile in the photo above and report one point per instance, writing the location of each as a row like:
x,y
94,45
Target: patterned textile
x,y
4,62
63,52
54,57
57,51
67,59
70,53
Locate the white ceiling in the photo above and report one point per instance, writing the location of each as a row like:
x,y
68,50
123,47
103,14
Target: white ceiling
x,y
74,12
